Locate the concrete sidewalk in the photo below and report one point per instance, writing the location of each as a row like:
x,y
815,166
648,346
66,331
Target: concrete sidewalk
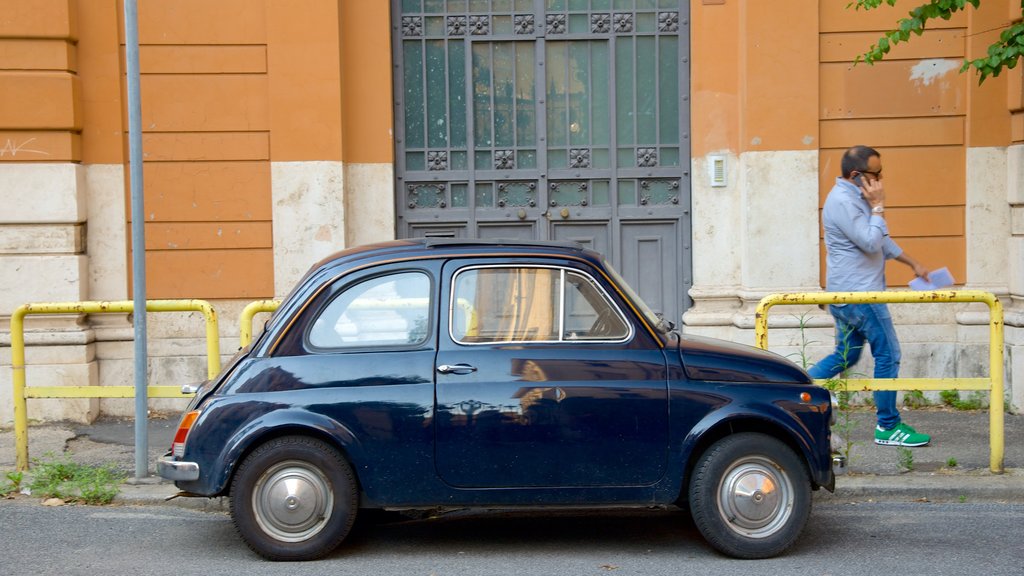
x,y
874,473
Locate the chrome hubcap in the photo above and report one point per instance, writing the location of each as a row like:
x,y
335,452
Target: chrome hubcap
x,y
755,498
292,501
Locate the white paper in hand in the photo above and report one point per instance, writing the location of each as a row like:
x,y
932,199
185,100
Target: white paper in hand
x,y
937,279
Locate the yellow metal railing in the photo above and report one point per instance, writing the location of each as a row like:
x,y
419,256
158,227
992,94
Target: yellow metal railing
x,y
248,313
22,392
993,384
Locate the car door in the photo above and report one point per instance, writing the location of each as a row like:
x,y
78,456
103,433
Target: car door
x,y
545,380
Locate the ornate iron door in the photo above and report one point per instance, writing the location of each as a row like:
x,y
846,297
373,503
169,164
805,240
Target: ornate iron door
x,y
549,119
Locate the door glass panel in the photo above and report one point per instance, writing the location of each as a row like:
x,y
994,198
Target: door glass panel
x,y
413,80
624,91
437,99
627,192
459,194
646,91
506,305
599,93
484,195
503,68
527,159
435,26
557,105
415,161
526,113
668,89
457,93
599,193
482,95
502,24
579,90
391,310
669,157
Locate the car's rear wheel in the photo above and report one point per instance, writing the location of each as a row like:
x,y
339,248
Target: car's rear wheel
x,y
750,496
294,498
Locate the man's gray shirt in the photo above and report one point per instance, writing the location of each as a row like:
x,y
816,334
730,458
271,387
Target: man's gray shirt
x,y
857,241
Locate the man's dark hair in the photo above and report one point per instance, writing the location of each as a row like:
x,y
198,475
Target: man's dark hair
x,y
856,159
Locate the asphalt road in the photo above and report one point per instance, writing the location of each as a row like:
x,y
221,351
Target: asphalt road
x,y
860,539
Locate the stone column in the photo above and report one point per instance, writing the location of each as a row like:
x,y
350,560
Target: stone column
x,y
42,191
758,234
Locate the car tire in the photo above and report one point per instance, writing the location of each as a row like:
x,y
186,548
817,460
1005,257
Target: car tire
x,y
750,496
294,498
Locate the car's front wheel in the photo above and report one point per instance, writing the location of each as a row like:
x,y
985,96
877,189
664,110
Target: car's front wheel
x,y
294,498
750,496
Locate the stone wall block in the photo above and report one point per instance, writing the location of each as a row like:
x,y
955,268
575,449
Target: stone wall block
x,y
42,193
309,217
81,410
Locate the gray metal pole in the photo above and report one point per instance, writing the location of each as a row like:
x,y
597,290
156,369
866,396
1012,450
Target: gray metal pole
x,y
131,48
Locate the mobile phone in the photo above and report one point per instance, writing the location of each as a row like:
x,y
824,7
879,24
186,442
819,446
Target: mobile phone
x,y
858,179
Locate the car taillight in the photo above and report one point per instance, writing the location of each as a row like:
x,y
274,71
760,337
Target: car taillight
x,y
178,446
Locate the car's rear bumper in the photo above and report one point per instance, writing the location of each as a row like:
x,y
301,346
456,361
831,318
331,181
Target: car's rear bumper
x,y
177,470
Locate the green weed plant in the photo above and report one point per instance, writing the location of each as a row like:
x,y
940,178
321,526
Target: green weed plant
x,y
839,385
60,477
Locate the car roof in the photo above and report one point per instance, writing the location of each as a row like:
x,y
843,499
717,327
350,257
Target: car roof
x,y
419,247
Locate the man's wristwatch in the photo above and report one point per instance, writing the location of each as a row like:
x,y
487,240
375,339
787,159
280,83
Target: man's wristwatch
x,y
878,209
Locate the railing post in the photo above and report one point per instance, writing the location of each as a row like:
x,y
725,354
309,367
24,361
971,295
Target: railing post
x,y
18,389
995,400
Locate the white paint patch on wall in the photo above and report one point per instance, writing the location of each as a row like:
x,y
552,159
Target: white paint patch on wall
x,y
42,193
309,217
715,226
369,203
779,215
987,219
106,239
928,70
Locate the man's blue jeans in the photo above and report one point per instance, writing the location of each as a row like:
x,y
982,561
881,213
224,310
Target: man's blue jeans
x,y
855,325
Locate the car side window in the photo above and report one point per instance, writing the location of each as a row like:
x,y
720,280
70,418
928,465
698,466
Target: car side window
x,y
532,304
392,310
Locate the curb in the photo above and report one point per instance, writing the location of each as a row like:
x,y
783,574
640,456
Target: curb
x,y
910,487
959,487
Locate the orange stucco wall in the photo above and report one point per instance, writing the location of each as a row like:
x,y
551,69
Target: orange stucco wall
x,y
778,76
227,87
920,113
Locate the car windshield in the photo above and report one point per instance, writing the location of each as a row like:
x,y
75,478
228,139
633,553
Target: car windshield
x,y
653,319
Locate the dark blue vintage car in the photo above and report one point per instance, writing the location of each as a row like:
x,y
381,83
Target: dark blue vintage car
x,y
427,374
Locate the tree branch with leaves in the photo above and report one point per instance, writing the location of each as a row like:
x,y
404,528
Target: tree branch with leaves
x,y
1001,54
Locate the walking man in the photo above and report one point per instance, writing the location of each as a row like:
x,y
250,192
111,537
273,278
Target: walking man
x,y
858,244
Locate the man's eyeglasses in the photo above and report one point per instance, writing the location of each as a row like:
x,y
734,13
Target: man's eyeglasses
x,y
877,174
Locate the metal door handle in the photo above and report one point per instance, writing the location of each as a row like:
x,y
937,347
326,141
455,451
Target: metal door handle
x,y
456,369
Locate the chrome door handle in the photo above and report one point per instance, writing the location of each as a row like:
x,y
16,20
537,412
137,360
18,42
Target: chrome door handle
x,y
456,369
